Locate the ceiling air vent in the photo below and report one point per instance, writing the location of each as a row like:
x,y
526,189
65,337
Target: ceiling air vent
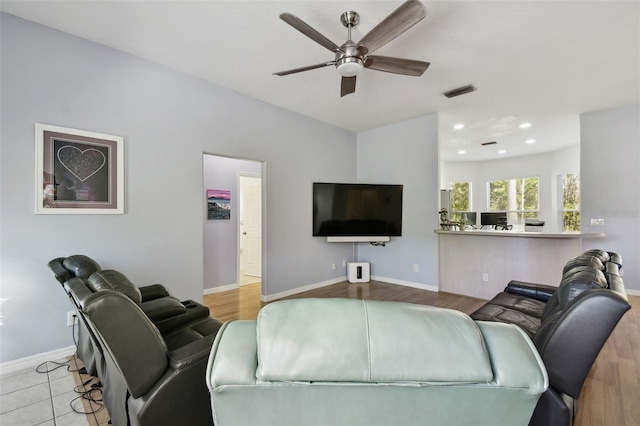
x,y
488,143
460,91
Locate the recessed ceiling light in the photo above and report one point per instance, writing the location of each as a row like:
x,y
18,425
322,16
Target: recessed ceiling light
x,y
525,125
531,141
462,151
502,151
458,126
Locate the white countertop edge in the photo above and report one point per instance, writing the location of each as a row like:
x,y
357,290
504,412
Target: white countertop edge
x,y
523,234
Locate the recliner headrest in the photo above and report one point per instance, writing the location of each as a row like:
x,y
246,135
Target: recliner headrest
x,y
583,260
600,254
110,279
577,282
80,265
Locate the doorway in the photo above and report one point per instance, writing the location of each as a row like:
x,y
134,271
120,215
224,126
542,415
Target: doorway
x,y
223,260
250,229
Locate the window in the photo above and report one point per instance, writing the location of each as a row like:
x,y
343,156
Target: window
x,y
570,202
460,199
518,197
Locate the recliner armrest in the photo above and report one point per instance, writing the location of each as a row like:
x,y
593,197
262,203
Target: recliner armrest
x,y
152,292
163,308
190,354
541,292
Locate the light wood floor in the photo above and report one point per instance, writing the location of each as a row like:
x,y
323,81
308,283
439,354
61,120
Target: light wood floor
x,y
610,396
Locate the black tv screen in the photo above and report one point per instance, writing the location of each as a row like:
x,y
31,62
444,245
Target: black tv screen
x,y
357,210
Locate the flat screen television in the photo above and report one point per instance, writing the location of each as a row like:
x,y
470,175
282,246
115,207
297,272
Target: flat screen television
x,y
357,210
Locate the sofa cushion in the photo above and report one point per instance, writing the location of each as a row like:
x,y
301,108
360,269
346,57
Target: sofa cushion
x,y
519,303
114,280
368,341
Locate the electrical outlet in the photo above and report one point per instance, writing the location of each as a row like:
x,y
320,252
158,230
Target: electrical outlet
x,y
344,263
485,277
597,222
71,318
333,266
416,267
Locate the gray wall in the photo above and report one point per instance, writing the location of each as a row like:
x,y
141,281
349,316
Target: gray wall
x,y
405,153
610,180
168,121
221,236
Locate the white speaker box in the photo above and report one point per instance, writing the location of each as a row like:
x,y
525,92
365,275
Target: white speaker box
x,y
358,272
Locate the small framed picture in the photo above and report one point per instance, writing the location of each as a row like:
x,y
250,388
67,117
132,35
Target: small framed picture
x,y
78,172
218,204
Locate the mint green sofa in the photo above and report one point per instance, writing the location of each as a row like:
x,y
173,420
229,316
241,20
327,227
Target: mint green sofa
x,y
361,362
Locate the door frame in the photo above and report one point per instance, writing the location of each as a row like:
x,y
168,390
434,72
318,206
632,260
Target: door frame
x,y
263,249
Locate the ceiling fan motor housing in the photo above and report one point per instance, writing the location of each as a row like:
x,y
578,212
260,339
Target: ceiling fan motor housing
x,y
349,61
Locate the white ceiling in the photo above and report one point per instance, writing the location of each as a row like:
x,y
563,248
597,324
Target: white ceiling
x,y
544,62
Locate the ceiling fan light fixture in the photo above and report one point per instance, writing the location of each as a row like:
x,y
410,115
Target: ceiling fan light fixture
x,y
349,67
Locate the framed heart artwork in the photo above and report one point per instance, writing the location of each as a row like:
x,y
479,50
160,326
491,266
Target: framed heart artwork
x,y
78,172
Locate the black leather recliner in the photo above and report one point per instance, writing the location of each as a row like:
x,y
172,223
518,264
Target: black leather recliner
x,y
569,324
166,312
148,383
121,343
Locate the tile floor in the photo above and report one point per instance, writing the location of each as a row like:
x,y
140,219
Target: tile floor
x,y
30,398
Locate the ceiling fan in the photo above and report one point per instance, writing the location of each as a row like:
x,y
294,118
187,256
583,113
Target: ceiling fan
x,y
351,57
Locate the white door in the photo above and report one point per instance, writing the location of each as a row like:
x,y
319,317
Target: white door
x,y
251,226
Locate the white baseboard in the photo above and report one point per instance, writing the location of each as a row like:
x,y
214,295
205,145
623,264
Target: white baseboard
x,y
272,297
633,292
406,283
220,289
10,367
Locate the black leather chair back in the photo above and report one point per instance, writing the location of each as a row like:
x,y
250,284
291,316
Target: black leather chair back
x,y
576,323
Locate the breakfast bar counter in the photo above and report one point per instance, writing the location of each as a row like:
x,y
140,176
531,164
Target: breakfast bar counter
x,y
480,263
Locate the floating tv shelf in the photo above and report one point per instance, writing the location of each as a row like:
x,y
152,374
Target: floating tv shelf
x,y
358,239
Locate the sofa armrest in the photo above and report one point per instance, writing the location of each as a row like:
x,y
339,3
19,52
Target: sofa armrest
x,y
163,308
191,353
235,361
541,292
152,292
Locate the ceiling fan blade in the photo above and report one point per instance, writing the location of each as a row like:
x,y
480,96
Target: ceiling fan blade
x,y
396,65
347,86
400,20
307,68
307,30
